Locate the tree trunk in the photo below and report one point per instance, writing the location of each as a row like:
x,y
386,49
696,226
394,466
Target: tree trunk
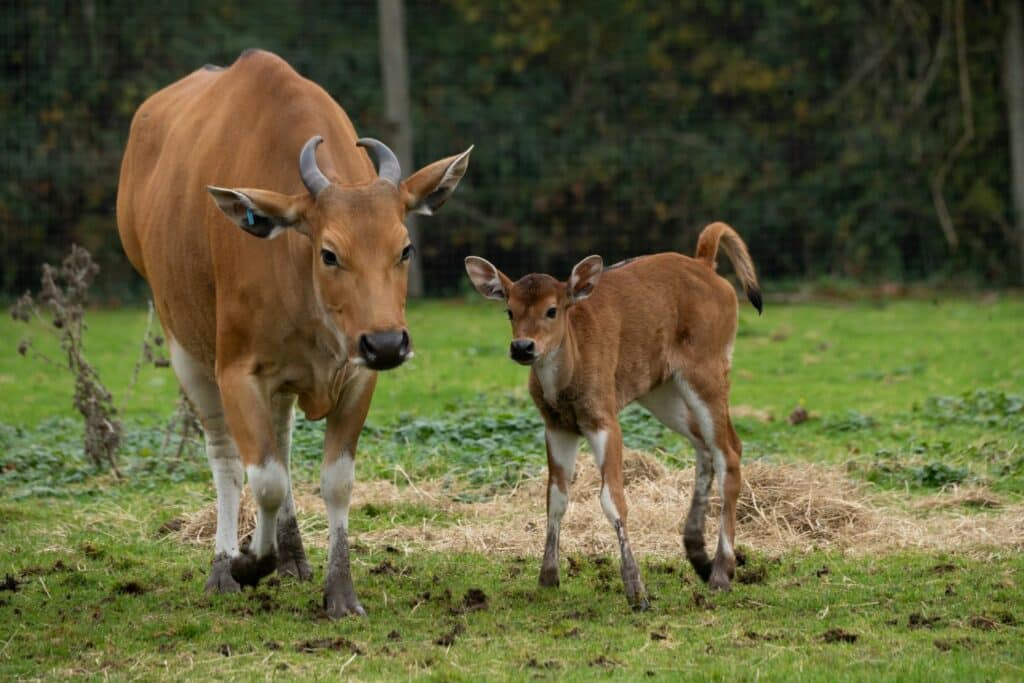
x,y
394,65
1014,77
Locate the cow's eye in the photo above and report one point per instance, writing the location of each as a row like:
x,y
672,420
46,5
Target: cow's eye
x,y
552,312
509,313
407,253
329,257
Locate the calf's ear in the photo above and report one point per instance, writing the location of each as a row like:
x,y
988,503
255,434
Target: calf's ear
x,y
584,278
487,279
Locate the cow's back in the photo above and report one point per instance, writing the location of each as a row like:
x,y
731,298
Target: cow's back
x,y
242,127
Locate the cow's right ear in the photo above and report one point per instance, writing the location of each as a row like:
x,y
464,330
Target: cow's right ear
x,y
487,279
263,213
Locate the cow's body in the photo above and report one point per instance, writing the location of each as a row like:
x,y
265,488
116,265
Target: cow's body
x,y
255,324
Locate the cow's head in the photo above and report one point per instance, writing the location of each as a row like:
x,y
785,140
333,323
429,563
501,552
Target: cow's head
x,y
537,304
361,248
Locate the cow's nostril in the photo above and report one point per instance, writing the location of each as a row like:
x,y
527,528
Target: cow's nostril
x,y
403,349
366,349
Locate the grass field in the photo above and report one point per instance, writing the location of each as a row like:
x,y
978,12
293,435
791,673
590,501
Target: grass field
x,y
908,398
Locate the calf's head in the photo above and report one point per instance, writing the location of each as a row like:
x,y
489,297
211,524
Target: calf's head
x,y
360,246
537,305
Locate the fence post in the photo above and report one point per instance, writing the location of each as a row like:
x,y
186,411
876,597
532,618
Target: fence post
x,y
394,64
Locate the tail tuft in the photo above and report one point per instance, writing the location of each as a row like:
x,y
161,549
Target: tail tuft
x,y
736,250
755,298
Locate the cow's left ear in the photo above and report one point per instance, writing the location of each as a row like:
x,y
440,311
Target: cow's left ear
x,y
262,213
431,186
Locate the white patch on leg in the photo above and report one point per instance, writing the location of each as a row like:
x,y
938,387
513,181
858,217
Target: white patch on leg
x,y
228,475
665,402
336,481
707,432
598,443
562,447
228,478
269,484
558,503
608,505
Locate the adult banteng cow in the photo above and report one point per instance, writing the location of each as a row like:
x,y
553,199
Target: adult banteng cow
x,y
289,286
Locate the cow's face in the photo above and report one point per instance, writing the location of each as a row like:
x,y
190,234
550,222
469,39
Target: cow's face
x,y
537,304
361,249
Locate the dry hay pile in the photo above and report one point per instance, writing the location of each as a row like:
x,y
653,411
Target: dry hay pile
x,y
781,508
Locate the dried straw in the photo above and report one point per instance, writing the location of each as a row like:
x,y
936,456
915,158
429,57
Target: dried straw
x,y
781,508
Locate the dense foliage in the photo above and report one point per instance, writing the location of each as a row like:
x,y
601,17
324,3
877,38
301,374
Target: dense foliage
x,y
816,128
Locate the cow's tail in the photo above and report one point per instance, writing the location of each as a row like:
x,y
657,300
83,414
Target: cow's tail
x,y
736,250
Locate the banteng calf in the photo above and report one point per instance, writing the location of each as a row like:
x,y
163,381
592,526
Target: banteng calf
x,y
660,331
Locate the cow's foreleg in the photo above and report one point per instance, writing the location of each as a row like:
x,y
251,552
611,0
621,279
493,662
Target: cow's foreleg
x,y
562,449
291,556
607,446
247,407
337,477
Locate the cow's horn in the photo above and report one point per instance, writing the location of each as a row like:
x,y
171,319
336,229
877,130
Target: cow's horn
x,y
312,177
389,168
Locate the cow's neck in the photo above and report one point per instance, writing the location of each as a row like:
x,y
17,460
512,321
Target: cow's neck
x,y
556,370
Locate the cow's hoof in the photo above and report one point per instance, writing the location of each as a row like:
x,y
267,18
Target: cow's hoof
x,y
291,556
247,569
338,606
719,581
549,577
220,579
299,568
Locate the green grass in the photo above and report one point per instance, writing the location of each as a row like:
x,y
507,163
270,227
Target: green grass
x,y
906,395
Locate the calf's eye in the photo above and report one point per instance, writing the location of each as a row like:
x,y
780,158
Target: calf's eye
x,y
552,312
407,253
508,313
329,257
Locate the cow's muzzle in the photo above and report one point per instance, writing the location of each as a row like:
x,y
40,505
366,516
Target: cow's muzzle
x,y
384,350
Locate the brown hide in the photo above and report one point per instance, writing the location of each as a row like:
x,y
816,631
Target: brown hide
x,y
227,297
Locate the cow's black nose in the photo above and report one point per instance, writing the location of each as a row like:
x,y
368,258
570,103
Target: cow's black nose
x,y
523,350
384,350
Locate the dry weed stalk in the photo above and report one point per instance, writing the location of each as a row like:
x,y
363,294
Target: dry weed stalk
x,y
65,292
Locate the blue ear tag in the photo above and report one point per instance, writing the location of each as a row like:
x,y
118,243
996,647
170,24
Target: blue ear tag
x,y
249,217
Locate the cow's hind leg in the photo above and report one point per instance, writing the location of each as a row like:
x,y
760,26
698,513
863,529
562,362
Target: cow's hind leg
x,y
225,464
337,476
291,556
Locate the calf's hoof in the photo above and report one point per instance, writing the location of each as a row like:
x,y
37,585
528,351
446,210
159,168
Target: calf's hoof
x,y
220,579
639,603
549,577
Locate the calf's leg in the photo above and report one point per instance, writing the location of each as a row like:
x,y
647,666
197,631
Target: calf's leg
x,y
606,443
561,447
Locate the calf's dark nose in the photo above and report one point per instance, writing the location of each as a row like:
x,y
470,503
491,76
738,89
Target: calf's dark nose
x,y
384,350
522,349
